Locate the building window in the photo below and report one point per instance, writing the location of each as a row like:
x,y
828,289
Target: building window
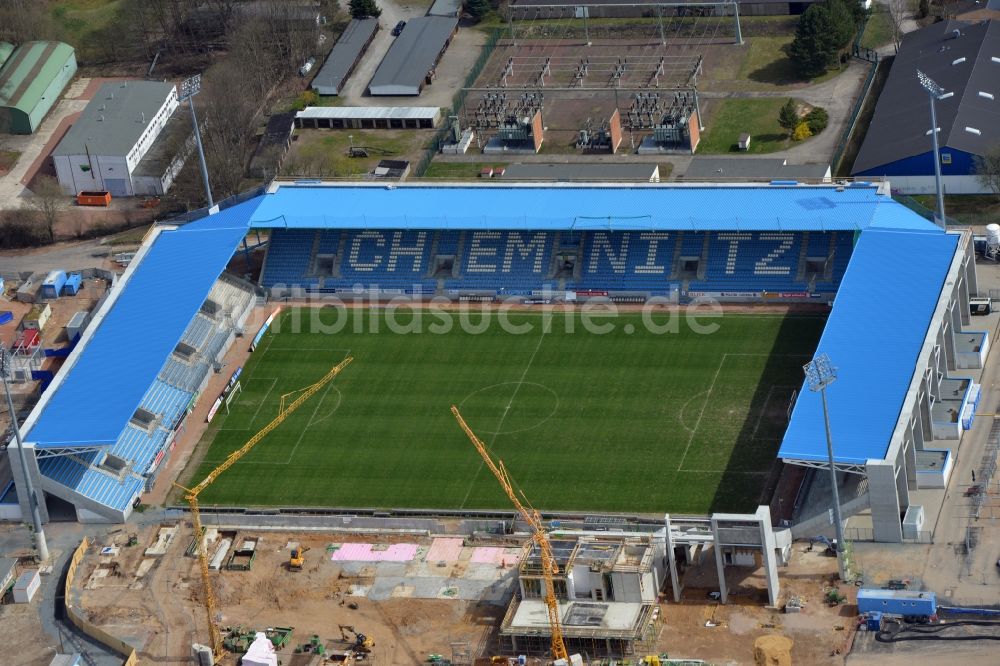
x,y
945,158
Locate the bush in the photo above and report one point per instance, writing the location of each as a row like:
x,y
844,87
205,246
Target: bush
x,y
307,98
817,120
21,228
801,132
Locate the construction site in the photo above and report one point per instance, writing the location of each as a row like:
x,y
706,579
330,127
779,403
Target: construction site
x,y
248,587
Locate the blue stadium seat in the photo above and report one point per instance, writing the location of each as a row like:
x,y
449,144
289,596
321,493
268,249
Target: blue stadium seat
x,y
628,261
77,473
521,262
752,261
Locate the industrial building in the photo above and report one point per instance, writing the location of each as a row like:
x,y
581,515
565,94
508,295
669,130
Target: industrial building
x,y
580,172
753,169
409,64
961,58
344,56
368,117
126,142
31,79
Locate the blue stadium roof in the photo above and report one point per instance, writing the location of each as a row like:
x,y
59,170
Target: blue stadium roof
x,y
874,335
550,208
96,399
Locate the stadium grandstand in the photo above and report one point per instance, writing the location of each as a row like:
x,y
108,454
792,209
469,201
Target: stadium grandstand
x,y
899,287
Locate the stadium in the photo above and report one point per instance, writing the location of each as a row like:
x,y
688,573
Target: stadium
x,y
654,412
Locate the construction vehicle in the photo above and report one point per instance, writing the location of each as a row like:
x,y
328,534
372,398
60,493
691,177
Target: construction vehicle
x,y
358,641
297,558
191,494
831,544
531,516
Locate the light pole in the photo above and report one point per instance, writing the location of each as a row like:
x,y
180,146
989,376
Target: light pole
x,y
189,88
820,373
935,92
31,497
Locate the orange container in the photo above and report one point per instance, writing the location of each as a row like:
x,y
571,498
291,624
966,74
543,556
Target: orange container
x,y
86,198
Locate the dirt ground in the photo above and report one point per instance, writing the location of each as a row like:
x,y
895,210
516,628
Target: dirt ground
x,y
153,602
159,612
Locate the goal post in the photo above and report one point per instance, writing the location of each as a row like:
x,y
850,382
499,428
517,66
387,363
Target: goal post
x,y
232,393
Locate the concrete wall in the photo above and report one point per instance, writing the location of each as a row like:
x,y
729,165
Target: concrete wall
x,y
74,176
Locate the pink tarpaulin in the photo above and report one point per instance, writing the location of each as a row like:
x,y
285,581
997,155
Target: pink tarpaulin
x,y
491,555
363,552
444,550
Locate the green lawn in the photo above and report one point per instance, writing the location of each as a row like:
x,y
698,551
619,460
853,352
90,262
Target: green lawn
x,y
323,153
78,18
632,422
767,63
458,170
733,117
878,30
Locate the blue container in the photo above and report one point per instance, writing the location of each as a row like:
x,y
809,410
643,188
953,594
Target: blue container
x,y
72,284
53,283
897,602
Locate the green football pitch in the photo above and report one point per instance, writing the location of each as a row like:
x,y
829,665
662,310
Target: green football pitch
x,y
626,420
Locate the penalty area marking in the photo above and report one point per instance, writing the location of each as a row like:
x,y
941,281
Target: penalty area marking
x,y
312,421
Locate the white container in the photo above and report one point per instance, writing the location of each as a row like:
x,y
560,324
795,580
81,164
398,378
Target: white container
x,y
993,234
26,586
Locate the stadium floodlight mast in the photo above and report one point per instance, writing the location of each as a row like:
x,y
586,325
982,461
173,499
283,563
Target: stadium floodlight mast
x,y
190,87
30,496
935,92
820,373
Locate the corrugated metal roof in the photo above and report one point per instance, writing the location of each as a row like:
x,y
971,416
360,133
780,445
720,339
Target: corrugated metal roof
x,y
115,118
364,112
874,335
445,8
962,65
28,72
412,55
344,55
552,207
93,398
6,48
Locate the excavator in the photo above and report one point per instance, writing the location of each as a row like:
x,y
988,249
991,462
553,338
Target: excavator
x,y
360,643
297,558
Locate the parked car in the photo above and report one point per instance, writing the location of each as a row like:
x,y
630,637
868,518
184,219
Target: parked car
x,y
398,29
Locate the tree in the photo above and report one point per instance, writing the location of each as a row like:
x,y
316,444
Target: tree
x,y
362,9
49,201
896,11
817,119
788,115
478,8
843,21
801,132
923,9
815,43
987,169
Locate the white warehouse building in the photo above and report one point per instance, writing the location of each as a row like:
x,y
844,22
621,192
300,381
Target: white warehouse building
x,y
126,141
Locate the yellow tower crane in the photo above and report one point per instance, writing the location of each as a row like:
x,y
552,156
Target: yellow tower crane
x,y
191,494
539,536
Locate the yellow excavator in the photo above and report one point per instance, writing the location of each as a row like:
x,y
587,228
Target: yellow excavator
x,y
359,642
297,558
